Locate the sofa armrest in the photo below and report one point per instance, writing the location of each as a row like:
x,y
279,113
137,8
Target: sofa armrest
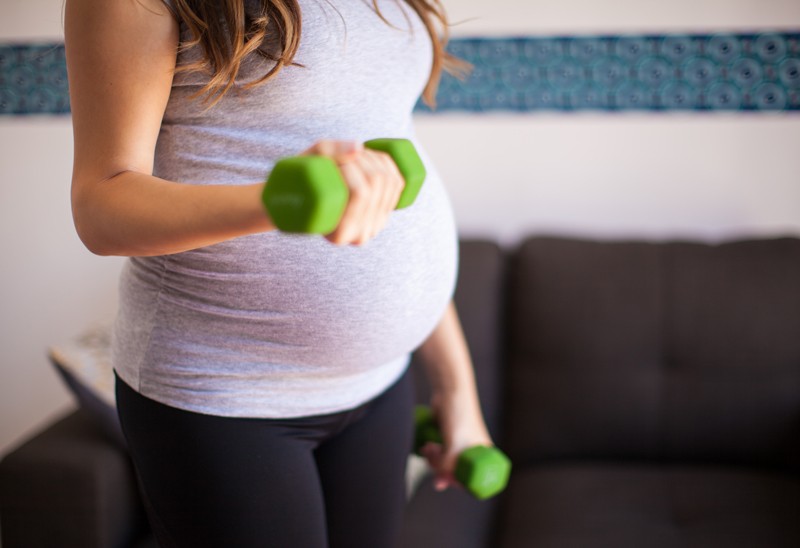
x,y
69,486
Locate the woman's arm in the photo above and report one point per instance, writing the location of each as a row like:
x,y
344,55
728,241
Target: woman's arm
x,y
454,400
120,60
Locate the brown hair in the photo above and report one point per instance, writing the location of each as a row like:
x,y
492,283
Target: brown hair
x,y
227,34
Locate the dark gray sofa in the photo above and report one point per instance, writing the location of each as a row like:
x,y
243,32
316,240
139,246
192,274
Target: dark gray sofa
x,y
647,393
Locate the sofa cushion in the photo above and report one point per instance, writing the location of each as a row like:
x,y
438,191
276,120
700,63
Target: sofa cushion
x,y
670,351
583,374
626,506
732,352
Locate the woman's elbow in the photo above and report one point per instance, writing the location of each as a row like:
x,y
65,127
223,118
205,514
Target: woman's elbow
x,y
88,224
92,238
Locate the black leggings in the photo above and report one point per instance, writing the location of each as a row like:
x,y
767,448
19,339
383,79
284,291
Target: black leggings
x,y
331,480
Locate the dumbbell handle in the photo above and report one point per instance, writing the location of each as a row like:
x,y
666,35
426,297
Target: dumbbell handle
x,y
482,470
307,194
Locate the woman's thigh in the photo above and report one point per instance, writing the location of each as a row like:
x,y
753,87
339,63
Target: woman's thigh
x,y
218,482
362,470
335,480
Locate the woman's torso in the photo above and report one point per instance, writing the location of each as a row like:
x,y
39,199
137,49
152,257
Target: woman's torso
x,y
277,325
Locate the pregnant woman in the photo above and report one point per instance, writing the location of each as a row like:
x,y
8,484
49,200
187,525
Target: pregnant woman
x,y
262,377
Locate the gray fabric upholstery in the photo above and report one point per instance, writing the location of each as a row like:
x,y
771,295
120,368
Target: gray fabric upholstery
x,y
451,519
619,505
660,351
70,487
653,395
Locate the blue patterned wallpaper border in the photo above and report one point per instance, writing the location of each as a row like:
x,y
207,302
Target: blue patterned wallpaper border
x,y
33,79
684,72
750,72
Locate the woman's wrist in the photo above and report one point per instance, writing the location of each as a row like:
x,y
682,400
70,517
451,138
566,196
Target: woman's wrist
x,y
253,206
461,418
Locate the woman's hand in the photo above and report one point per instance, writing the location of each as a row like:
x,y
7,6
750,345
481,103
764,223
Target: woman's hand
x,y
462,426
375,185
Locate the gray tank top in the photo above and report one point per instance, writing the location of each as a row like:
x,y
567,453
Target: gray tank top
x,y
277,325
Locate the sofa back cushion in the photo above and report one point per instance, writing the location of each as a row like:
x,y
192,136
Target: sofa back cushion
x,y
674,351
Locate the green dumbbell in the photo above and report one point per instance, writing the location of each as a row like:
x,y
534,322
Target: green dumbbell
x,y
307,194
482,470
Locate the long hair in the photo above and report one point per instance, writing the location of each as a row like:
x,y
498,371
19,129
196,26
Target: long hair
x,y
227,34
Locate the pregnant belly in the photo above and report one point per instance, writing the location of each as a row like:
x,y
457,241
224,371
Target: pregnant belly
x,y
301,301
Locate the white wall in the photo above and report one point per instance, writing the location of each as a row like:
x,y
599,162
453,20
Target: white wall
x,y
706,176
52,287
524,17
709,177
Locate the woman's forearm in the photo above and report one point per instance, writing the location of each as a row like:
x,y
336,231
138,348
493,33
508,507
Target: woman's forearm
x,y
136,214
448,365
446,358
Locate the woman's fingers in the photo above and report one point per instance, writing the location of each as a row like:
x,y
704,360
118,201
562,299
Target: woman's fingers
x,y
350,225
442,464
462,426
393,187
375,185
384,180
338,150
